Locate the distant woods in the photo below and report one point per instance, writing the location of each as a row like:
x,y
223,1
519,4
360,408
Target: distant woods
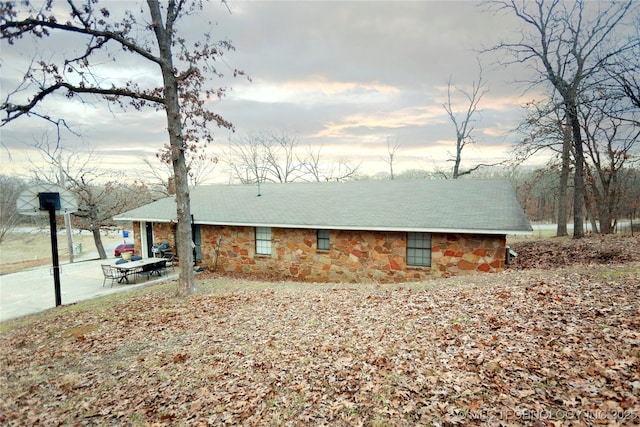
x,y
536,188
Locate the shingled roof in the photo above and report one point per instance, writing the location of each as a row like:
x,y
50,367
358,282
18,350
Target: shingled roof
x,y
463,206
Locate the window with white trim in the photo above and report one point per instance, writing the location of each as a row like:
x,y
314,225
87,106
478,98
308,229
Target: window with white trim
x,y
419,249
323,240
263,240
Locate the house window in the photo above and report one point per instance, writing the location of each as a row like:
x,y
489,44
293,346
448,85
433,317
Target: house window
x,y
323,240
263,240
419,249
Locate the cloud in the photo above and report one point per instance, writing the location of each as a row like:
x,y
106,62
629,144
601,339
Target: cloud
x,y
344,76
387,121
316,91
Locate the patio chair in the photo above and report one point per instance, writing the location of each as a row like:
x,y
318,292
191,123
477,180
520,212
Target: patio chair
x,y
170,256
146,270
109,272
160,268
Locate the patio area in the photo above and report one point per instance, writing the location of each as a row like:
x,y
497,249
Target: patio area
x,y
31,291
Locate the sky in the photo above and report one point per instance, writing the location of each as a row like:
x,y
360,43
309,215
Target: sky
x,y
345,78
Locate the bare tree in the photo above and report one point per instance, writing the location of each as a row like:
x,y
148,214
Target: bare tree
x,y
248,163
279,158
159,175
200,167
319,171
545,128
10,189
630,199
267,157
313,165
629,83
567,46
153,38
343,170
609,143
391,154
282,164
463,120
100,193
624,72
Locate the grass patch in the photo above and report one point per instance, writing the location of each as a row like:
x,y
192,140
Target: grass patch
x,y
622,271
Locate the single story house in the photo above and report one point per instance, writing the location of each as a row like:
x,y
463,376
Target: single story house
x,y
362,231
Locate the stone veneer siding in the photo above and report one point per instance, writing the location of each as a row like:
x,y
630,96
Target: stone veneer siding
x,y
353,256
459,254
162,232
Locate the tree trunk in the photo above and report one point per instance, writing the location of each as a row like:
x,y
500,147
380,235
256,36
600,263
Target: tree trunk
x,y
601,205
184,240
97,239
456,164
602,229
597,210
564,183
607,210
67,226
591,216
605,216
578,177
183,206
94,222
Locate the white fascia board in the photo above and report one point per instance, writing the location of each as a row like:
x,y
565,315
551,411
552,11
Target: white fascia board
x,y
360,228
124,218
345,228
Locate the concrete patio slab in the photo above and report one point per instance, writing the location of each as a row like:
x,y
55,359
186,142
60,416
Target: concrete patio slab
x,y
32,291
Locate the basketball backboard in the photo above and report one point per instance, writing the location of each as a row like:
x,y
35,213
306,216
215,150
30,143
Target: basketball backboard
x,y
34,201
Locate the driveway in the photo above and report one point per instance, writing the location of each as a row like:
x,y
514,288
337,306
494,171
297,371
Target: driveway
x,y
32,291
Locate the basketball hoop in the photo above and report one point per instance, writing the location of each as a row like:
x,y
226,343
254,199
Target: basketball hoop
x,y
34,201
51,200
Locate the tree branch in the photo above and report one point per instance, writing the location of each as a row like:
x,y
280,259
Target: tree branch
x,y
14,111
11,30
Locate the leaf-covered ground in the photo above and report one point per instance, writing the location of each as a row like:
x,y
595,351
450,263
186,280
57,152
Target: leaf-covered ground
x,y
559,252
527,347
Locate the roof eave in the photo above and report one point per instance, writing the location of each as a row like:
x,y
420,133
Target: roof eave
x,y
127,218
371,228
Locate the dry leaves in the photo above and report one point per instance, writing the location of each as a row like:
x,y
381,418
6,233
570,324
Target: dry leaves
x,y
558,347
558,252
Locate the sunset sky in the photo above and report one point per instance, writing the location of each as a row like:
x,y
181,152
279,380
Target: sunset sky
x,y
344,77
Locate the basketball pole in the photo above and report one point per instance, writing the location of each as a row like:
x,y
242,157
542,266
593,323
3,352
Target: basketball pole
x,y
54,252
48,198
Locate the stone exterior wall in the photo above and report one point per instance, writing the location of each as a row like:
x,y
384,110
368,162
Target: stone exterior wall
x,y
162,232
458,254
353,256
137,239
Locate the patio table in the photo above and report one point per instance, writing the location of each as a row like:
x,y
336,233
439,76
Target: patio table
x,y
151,265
